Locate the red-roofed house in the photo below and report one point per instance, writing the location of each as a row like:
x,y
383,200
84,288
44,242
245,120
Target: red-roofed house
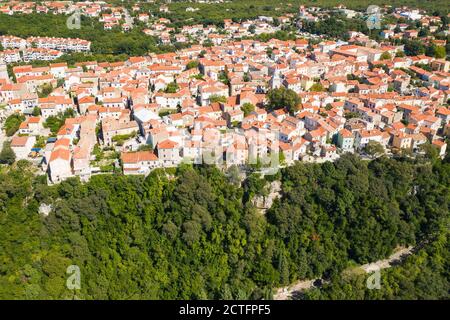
x,y
59,164
22,146
141,162
169,153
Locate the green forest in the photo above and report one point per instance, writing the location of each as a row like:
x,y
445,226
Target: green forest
x,y
105,44
115,45
193,232
238,9
424,275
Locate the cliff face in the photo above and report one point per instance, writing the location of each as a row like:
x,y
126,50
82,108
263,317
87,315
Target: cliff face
x,y
265,202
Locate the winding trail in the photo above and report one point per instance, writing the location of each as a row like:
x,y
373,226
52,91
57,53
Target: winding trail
x,y
286,293
386,263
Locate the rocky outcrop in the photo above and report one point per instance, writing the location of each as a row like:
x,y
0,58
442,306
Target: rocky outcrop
x,y
265,202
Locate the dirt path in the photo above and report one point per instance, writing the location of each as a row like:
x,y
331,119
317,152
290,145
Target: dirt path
x,y
386,263
286,293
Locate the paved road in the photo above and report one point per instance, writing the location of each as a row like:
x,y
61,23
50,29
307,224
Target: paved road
x,y
128,18
3,137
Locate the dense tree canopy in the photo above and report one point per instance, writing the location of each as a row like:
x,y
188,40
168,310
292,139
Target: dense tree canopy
x,y
283,98
424,275
336,26
237,9
54,123
247,108
193,234
12,124
105,44
7,155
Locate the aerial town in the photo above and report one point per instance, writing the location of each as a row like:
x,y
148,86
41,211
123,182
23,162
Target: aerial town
x,y
227,99
225,150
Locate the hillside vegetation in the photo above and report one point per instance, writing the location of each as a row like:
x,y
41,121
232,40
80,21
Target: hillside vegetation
x,y
196,235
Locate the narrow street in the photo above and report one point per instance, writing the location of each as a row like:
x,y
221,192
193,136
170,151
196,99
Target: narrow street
x,y
3,137
128,18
